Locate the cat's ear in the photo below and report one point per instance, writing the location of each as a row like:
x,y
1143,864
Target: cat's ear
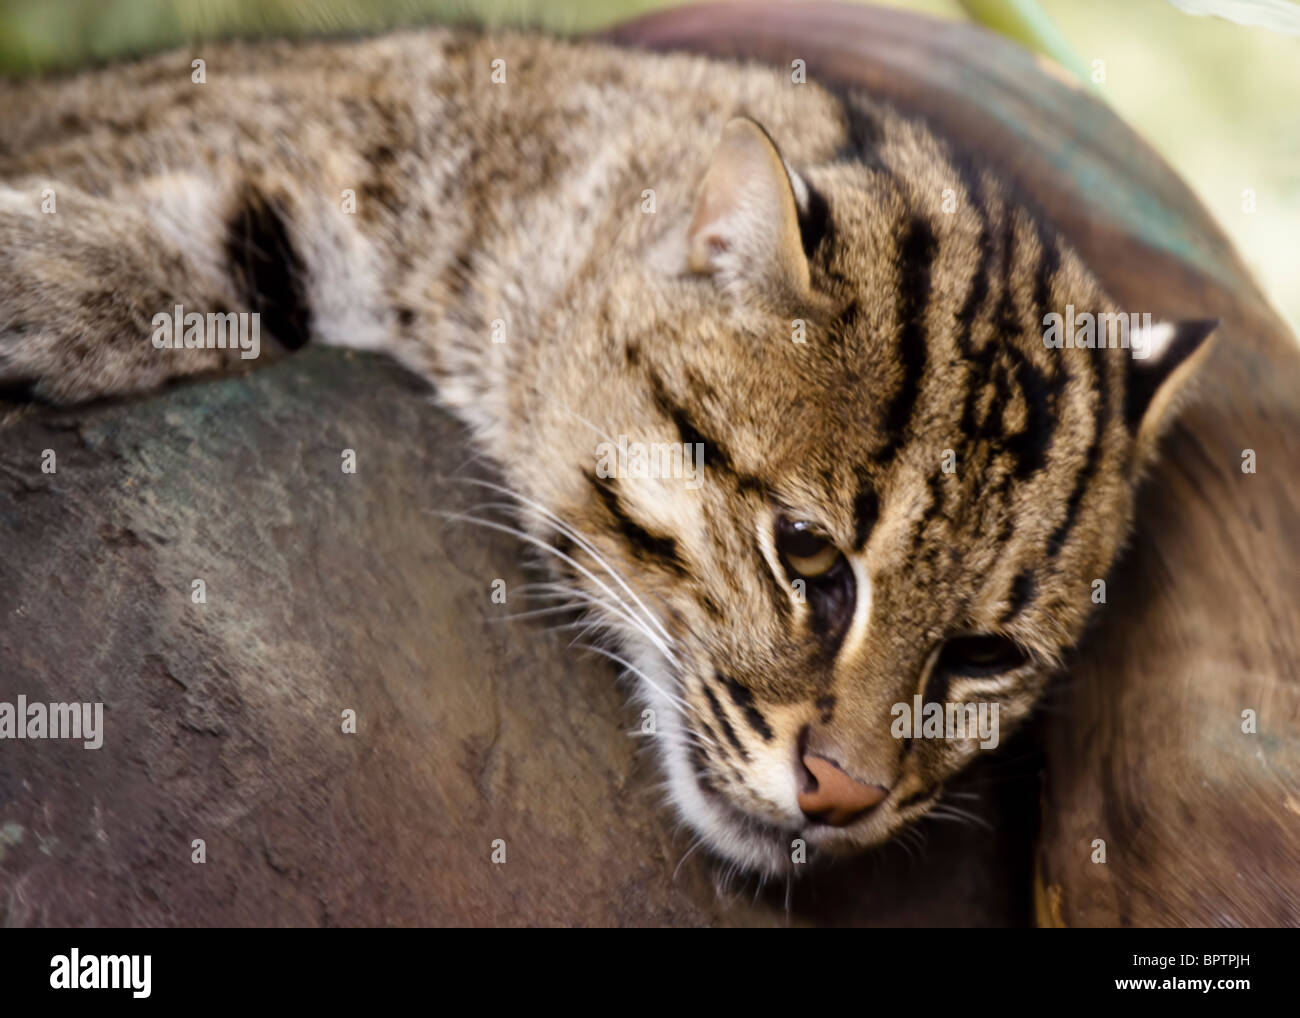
x,y
1164,356
746,220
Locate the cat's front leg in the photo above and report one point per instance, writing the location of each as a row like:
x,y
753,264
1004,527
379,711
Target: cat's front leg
x,y
85,284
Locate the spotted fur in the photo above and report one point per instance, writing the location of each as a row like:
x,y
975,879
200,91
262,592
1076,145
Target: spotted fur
x,y
974,480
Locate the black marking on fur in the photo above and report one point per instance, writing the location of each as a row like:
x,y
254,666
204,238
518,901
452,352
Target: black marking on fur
x,y
563,544
915,262
1145,376
459,274
780,595
814,221
1101,389
978,288
977,294
825,708
866,510
934,484
912,800
937,683
1023,588
267,269
700,765
662,550
727,730
714,454
1005,316
377,190
862,128
744,701
1030,445
1048,262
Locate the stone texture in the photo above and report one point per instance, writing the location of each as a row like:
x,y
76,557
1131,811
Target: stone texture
x,y
329,591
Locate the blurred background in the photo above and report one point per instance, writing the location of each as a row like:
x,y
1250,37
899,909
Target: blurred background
x,y
1219,99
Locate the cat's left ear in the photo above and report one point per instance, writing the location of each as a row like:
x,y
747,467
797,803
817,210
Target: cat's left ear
x,y
1163,357
746,221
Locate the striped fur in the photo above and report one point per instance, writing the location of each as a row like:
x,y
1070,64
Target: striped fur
x,y
920,283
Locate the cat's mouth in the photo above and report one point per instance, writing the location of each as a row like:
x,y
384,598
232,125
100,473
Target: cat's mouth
x,y
767,846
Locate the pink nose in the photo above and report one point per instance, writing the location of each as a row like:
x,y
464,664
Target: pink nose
x,y
832,797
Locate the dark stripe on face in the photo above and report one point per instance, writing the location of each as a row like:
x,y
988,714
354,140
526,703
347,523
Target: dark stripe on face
x,y
978,289
648,546
1101,387
825,708
715,456
563,544
917,798
866,510
1057,540
934,483
780,595
700,764
977,293
1030,445
727,730
1022,592
744,701
915,262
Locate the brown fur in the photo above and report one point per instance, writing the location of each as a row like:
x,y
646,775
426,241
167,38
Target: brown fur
x,y
518,210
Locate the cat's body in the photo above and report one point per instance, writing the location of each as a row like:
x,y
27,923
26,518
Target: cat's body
x,y
592,250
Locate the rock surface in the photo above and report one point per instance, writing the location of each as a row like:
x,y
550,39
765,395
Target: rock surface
x,y
328,591
325,592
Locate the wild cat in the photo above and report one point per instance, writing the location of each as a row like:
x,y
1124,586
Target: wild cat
x,y
908,488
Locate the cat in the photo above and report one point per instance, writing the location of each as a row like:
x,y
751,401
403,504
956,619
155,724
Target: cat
x,y
908,490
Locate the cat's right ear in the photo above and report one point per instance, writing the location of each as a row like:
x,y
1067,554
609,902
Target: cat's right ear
x,y
746,222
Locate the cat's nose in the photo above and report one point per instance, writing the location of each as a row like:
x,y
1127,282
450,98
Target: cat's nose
x,y
829,796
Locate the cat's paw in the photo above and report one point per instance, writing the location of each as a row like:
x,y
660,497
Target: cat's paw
x,y
81,279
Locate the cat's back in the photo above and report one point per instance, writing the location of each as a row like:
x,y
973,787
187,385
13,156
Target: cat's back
x,y
408,77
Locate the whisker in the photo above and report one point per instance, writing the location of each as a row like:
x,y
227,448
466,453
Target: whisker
x,y
568,529
689,852
522,535
559,524
671,697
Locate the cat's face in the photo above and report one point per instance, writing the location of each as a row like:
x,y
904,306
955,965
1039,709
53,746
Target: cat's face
x,y
871,486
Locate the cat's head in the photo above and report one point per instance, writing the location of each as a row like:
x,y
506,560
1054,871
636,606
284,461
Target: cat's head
x,y
904,495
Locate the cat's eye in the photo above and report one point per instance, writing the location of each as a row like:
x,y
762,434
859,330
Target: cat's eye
x,y
803,551
980,655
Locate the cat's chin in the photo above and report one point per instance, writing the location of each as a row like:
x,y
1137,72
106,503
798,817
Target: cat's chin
x,y
756,845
